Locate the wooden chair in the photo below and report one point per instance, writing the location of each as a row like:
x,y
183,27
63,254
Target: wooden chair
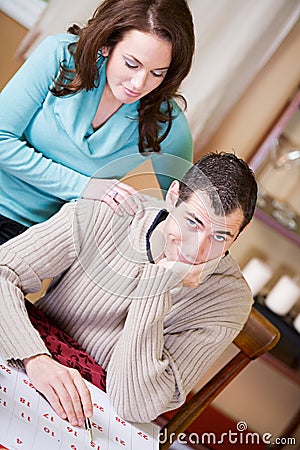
x,y
256,338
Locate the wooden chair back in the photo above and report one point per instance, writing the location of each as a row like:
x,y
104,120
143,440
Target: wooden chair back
x,y
256,338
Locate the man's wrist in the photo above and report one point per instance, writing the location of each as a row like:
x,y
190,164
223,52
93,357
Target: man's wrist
x,y
36,357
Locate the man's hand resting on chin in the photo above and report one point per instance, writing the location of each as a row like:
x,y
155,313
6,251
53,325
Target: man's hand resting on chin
x,y
191,274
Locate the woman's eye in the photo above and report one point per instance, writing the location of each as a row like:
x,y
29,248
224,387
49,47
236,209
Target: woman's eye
x,y
131,64
158,74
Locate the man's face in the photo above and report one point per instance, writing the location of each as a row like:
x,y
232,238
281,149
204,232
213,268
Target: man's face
x,y
194,233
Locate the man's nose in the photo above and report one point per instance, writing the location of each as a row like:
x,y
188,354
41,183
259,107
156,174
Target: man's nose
x,y
196,239
201,242
196,246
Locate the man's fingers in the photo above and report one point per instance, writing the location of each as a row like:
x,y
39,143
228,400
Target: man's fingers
x,y
69,399
72,405
54,401
85,396
63,387
76,398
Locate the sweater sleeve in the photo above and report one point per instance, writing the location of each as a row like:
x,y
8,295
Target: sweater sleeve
x,y
22,97
44,251
153,367
140,381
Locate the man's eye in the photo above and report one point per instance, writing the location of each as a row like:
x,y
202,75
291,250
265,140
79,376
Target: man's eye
x,y
219,238
192,223
131,64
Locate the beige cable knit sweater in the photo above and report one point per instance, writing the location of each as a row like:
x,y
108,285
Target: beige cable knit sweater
x,y
154,337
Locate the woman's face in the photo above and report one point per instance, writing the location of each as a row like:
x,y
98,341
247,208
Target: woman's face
x,y
137,65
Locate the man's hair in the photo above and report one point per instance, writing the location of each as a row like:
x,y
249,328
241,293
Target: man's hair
x,y
169,20
228,181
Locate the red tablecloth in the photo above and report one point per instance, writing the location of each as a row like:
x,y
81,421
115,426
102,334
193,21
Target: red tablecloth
x,y
65,349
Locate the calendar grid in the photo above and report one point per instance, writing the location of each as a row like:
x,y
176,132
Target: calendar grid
x,y
27,422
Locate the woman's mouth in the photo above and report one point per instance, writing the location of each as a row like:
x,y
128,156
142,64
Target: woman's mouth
x,y
131,93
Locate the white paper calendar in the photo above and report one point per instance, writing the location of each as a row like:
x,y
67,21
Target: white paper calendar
x,y
27,422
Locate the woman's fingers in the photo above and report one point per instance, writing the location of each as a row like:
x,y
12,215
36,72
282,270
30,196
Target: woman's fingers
x,y
125,195
114,193
112,203
126,200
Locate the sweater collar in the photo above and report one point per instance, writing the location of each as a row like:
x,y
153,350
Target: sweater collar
x,y
160,217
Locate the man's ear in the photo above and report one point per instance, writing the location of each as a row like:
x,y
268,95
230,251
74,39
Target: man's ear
x,y
242,232
172,195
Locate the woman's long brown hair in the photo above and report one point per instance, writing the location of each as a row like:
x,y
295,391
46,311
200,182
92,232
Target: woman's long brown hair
x,y
167,19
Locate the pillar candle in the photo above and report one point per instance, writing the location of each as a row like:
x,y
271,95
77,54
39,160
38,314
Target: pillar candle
x,y
257,273
296,322
283,296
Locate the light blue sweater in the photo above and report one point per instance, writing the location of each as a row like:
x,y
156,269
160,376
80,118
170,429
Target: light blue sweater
x,y
48,148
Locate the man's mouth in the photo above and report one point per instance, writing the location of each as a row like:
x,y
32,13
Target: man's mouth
x,y
184,260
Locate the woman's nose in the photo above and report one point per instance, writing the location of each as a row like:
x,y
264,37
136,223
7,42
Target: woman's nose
x,y
139,80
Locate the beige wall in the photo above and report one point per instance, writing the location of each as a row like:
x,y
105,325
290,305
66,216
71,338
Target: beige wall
x,y
11,34
244,129
248,122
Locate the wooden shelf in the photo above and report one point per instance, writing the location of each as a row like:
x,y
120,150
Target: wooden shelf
x,y
265,211
262,152
265,216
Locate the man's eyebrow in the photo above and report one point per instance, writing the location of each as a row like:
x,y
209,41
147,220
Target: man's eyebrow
x,y
139,62
195,218
228,233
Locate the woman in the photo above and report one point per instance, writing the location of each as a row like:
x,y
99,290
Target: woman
x,y
93,103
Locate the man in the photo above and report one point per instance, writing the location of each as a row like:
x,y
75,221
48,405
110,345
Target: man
x,y
153,298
